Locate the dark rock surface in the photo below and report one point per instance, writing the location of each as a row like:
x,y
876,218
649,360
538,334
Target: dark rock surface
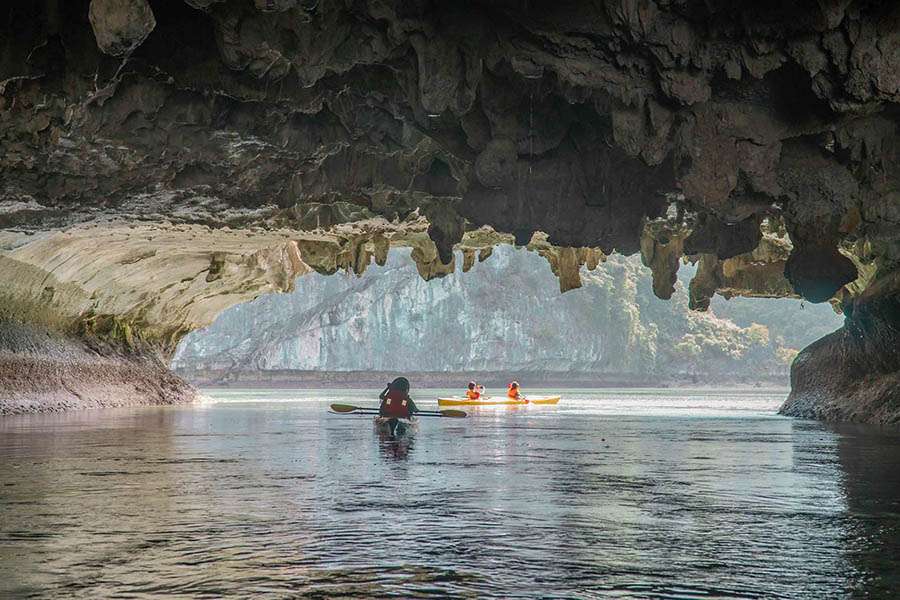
x,y
851,374
582,120
575,119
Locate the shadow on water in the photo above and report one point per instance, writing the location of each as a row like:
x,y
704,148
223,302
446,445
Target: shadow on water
x,y
870,463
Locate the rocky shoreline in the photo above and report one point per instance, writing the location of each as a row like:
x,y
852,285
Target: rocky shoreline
x,y
45,372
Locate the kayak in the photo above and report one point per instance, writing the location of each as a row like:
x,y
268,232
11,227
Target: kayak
x,y
395,426
497,401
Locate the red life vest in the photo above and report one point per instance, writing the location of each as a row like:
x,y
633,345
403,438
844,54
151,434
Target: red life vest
x,y
396,405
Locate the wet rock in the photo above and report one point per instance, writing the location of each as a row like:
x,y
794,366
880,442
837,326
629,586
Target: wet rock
x,y
566,263
684,87
818,271
44,370
495,166
120,26
662,247
759,273
724,240
274,5
853,374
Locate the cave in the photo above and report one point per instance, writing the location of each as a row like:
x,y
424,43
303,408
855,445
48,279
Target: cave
x,y
163,160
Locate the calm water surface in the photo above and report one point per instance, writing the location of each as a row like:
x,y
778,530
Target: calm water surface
x,y
615,493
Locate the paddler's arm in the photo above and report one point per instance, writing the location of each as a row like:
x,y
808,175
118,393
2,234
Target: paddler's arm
x,y
412,407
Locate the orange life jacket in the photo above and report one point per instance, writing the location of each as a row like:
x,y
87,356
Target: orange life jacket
x,y
395,405
513,393
472,395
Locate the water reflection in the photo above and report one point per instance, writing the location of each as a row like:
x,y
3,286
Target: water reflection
x,y
397,446
870,464
281,499
395,438
60,476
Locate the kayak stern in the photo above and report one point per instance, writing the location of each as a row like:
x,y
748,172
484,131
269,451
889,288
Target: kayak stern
x,y
395,426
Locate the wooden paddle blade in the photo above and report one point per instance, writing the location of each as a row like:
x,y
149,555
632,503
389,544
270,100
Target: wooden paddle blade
x,y
343,408
456,414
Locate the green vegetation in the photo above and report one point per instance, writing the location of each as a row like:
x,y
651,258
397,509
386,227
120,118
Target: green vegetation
x,y
743,338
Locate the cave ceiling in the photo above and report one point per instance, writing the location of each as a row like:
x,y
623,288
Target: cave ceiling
x,y
758,138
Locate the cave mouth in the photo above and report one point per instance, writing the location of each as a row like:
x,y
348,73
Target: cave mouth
x,y
163,161
357,330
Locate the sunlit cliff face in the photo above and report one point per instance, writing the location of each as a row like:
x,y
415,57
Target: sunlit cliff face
x,y
163,160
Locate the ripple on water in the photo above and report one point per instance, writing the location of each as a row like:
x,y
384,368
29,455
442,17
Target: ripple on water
x,y
620,494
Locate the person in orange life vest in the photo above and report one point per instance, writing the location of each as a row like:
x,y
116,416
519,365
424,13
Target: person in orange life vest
x,y
395,400
473,393
513,392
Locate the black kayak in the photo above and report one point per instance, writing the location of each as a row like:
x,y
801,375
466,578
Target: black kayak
x,y
396,426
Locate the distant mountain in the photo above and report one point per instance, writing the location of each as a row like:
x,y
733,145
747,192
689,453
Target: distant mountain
x,y
505,314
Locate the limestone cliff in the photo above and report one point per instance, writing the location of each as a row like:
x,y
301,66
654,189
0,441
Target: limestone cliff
x,y
503,315
708,129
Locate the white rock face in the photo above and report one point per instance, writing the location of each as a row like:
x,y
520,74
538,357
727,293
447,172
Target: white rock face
x,y
504,314
391,318
160,281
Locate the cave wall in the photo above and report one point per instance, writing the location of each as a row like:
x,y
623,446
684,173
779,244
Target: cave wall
x,y
759,139
851,374
46,370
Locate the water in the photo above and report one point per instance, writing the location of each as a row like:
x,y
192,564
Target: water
x,y
615,493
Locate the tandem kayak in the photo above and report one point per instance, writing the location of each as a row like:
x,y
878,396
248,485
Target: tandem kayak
x,y
395,426
497,401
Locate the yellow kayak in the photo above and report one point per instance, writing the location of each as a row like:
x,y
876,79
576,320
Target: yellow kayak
x,y
497,401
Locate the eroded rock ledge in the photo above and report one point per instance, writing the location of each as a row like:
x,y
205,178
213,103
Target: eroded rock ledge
x,y
759,139
851,374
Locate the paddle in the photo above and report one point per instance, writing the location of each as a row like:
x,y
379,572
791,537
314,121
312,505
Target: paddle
x,y
366,410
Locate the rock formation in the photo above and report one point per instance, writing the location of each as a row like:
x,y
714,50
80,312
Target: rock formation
x,y
620,126
611,329
852,374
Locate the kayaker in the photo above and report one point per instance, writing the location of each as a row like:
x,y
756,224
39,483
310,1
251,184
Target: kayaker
x,y
513,391
395,400
473,393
